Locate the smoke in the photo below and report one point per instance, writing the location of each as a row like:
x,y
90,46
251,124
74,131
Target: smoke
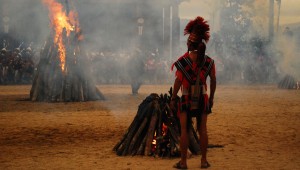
x,y
284,49
243,46
288,62
28,20
111,38
116,33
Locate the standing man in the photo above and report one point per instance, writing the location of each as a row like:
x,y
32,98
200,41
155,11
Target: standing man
x,y
192,71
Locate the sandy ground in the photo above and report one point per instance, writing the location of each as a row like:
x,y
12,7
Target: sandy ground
x,y
259,127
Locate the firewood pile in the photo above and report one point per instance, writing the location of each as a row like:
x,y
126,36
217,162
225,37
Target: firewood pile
x,y
287,82
155,131
52,84
63,74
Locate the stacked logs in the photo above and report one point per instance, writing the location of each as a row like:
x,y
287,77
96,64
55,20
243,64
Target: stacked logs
x,y
287,82
52,84
155,131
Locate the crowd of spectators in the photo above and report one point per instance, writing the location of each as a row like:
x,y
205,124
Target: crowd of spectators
x,y
17,63
237,61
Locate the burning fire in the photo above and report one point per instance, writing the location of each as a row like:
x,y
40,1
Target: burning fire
x,y
60,20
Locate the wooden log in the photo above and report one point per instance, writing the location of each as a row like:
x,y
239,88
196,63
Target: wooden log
x,y
173,134
140,140
171,91
56,85
172,147
170,112
36,84
52,75
193,142
291,83
76,90
116,147
79,91
81,98
288,82
68,87
137,118
35,88
49,86
138,134
285,82
120,144
159,135
148,110
125,145
172,121
84,89
151,128
74,87
142,147
195,135
176,137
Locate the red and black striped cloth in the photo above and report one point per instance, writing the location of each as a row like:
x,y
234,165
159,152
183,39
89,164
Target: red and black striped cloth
x,y
187,72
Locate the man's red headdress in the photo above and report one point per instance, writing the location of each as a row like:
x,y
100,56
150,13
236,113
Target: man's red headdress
x,y
198,30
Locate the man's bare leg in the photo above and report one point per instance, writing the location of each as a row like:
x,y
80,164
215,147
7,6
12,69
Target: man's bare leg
x,y
183,138
202,130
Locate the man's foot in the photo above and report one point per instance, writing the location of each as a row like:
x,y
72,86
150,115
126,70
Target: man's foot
x,y
179,166
205,165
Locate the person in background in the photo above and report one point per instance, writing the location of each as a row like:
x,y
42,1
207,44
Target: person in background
x,y
136,71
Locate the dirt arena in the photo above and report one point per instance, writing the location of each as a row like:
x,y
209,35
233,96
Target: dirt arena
x,y
259,127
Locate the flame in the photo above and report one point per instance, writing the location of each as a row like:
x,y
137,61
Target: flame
x,y
60,21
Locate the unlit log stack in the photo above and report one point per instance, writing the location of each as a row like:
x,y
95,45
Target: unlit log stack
x,y
288,82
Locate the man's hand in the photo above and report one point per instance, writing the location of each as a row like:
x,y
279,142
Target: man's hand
x,y
173,105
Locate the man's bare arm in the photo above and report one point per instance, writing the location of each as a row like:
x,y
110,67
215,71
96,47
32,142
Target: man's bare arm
x,y
176,87
213,84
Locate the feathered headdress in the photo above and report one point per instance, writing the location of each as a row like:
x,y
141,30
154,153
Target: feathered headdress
x,y
198,30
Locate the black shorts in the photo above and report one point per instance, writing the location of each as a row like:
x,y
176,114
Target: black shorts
x,y
185,105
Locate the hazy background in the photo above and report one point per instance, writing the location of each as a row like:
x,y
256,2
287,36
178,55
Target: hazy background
x,y
290,10
240,41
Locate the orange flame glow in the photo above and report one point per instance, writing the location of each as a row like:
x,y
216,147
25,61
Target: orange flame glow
x,y
60,21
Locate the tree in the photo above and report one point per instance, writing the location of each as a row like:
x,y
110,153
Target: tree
x,y
235,22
